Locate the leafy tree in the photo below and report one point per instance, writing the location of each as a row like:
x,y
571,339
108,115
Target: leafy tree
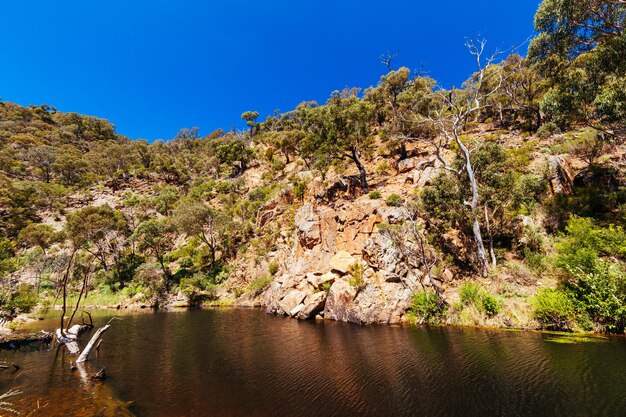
x,y
341,129
204,222
250,118
580,50
70,165
43,158
156,237
37,234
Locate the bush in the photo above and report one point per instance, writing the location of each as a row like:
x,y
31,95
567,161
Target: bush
x,y
553,309
490,304
428,307
548,129
394,200
356,276
374,195
273,267
470,293
584,243
601,295
259,285
299,189
24,299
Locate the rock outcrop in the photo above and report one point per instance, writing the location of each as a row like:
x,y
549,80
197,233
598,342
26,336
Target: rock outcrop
x,y
329,240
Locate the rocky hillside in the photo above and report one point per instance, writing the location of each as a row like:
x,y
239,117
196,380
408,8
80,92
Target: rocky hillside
x,y
500,203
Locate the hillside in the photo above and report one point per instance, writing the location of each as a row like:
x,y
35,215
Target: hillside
x,y
499,204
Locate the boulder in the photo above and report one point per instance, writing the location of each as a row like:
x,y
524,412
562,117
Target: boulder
x,y
318,281
313,304
342,261
407,165
296,310
339,301
560,175
290,300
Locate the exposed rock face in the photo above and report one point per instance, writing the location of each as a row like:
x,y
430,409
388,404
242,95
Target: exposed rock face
x,y
328,241
308,225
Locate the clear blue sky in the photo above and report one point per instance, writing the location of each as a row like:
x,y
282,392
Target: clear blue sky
x,y
153,67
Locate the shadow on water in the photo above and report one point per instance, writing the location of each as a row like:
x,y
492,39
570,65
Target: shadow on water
x,y
245,363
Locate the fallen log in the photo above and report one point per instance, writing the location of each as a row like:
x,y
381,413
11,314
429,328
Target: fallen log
x,y
15,341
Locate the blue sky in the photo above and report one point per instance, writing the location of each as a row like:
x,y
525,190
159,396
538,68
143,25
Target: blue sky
x,y
153,67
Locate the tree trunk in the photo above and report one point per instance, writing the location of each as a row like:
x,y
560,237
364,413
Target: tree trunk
x,y
362,173
480,246
65,279
94,339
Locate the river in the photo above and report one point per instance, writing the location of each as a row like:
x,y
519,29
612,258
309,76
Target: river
x,y
239,362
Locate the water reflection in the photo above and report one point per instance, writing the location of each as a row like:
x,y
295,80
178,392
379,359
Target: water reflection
x,y
245,363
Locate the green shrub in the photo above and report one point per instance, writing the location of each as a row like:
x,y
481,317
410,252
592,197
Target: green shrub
x,y
383,168
553,309
299,189
356,276
470,293
580,249
473,294
601,295
273,267
374,195
24,299
394,200
548,129
490,304
428,307
259,285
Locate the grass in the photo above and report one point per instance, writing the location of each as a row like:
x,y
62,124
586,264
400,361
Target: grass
x,y
94,298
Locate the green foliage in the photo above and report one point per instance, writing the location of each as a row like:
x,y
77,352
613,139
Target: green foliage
x,y
601,294
273,267
473,294
428,307
553,309
356,276
548,130
394,200
490,304
299,189
7,261
470,293
24,298
197,289
259,285
584,242
374,195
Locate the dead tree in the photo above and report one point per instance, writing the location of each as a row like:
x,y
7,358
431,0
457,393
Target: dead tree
x,y
449,118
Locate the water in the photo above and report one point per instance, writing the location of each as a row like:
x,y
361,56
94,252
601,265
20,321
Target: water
x,y
246,363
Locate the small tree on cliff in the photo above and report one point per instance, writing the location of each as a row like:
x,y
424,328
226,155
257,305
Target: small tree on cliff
x,y
341,129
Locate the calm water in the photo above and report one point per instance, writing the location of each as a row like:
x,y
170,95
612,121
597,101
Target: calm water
x,y
246,363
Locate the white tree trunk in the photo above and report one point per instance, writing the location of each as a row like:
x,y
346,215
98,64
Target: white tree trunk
x,y
94,339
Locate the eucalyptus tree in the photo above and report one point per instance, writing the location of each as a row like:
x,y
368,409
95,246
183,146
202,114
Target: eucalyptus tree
x,y
580,49
449,114
339,130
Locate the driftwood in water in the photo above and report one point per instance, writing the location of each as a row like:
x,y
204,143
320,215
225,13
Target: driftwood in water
x,y
70,339
17,340
94,339
100,375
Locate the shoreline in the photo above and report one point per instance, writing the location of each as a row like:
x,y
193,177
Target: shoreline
x,y
26,333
